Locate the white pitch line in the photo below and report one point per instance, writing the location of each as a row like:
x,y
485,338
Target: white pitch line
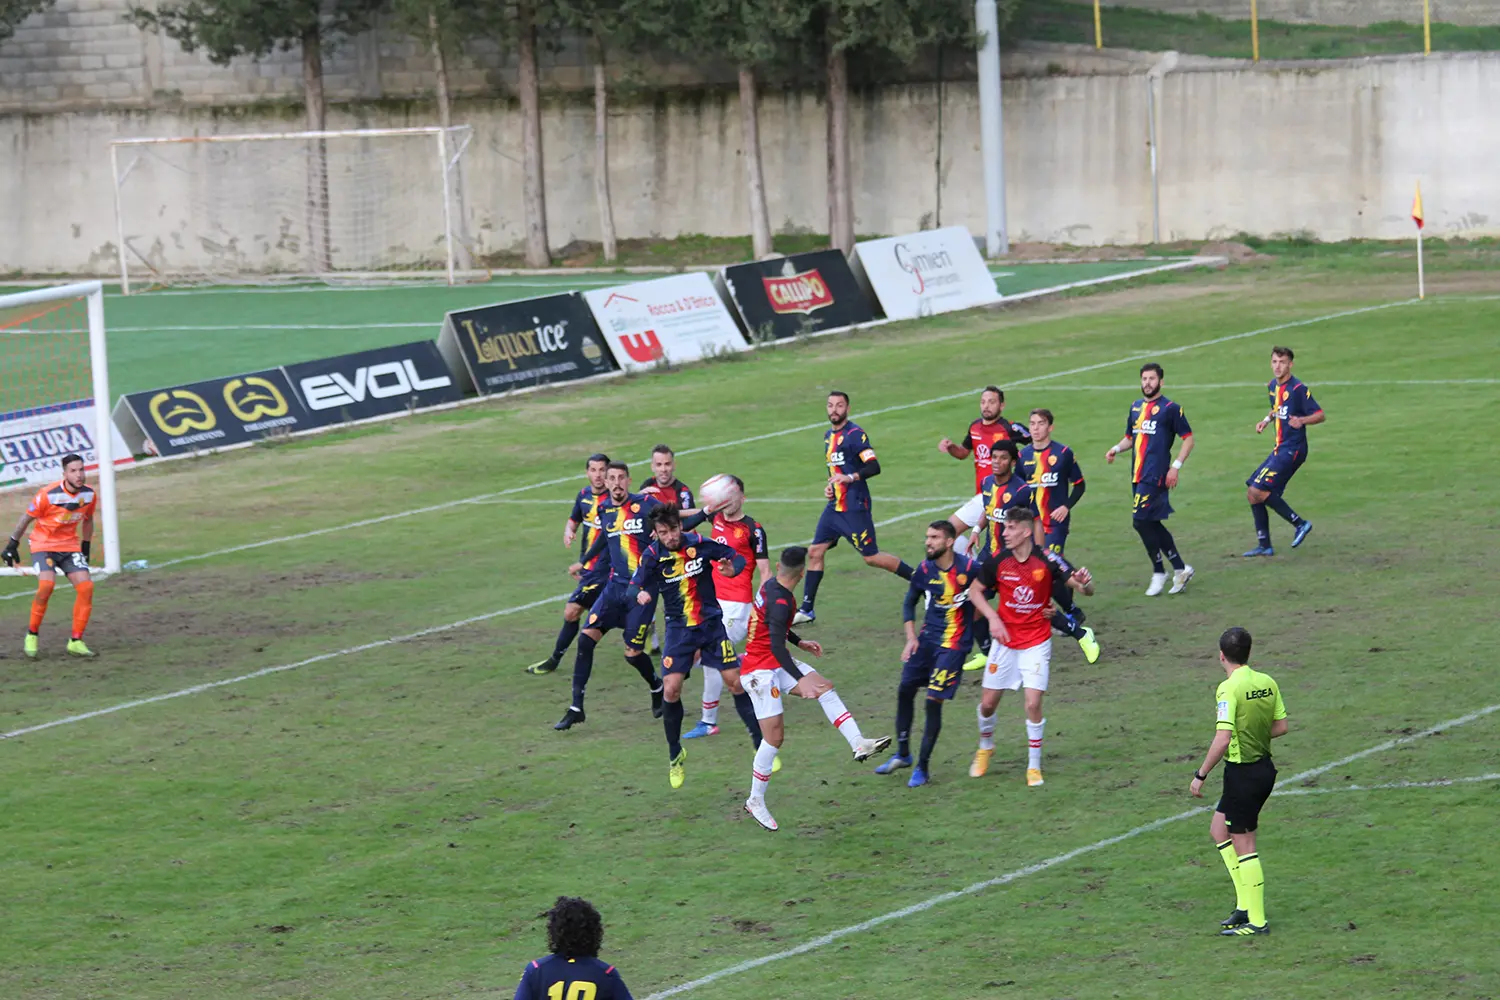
x,y
1320,383
1389,785
450,504
281,668
749,501
1040,866
427,324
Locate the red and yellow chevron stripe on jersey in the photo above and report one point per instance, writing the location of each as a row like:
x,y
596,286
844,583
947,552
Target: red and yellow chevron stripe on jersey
x,y
680,572
1140,440
956,628
1281,394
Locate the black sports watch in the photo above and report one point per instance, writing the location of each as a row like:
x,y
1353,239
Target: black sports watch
x,y
1200,777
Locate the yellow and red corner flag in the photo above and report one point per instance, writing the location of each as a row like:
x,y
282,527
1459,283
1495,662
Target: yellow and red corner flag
x,y
1416,208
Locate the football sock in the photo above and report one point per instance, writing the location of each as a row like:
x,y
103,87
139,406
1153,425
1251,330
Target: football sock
x,y
565,637
981,632
906,712
83,606
1153,547
986,729
671,723
930,731
1254,881
904,571
1232,862
583,667
810,587
39,602
760,772
1262,524
1065,624
1034,731
1169,546
746,709
713,686
643,666
833,707
1284,509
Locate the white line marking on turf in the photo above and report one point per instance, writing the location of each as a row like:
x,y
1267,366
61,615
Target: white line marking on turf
x,y
1388,785
426,324
281,668
1126,359
749,501
1261,385
1040,866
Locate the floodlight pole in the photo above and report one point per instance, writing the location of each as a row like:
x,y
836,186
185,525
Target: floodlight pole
x,y
991,130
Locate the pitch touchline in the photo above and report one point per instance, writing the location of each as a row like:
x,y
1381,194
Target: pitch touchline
x,y
347,651
1040,866
1388,785
450,504
1261,385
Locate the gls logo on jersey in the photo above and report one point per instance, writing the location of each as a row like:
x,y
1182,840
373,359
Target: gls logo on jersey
x,y
630,526
382,381
1047,479
1148,427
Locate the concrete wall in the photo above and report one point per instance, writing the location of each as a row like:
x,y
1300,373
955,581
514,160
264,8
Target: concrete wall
x,y
1331,149
1353,12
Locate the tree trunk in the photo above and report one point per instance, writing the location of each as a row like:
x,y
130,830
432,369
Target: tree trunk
x,y
841,209
319,228
462,259
533,191
760,219
601,155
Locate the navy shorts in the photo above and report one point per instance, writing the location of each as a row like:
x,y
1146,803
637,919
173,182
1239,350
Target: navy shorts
x,y
60,562
587,591
1151,502
707,641
1277,470
613,610
856,525
1056,537
937,669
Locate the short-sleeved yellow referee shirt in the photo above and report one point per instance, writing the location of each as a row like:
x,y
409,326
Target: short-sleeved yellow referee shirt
x,y
1248,703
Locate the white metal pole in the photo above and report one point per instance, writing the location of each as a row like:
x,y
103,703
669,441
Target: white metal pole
x,y
109,516
1155,174
442,148
1421,272
114,170
991,129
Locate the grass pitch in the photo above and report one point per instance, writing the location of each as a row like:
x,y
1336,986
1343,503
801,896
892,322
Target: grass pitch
x,y
391,822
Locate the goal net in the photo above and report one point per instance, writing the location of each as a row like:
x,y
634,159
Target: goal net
x,y
360,205
54,400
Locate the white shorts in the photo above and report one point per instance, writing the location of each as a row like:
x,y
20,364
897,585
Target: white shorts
x,y
765,688
1009,669
972,513
736,620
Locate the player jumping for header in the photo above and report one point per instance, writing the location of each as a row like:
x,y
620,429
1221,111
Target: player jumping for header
x,y
64,516
984,433
851,462
1293,410
1153,422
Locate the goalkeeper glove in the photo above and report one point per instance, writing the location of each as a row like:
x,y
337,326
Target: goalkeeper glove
x,y
85,545
12,554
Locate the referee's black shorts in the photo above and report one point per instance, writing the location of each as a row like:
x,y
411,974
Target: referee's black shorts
x,y
1246,788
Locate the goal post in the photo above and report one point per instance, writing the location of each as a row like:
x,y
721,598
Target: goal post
x,y
353,205
54,399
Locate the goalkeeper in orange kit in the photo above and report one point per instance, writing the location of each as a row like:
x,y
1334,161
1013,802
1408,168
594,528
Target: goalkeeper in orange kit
x,y
64,516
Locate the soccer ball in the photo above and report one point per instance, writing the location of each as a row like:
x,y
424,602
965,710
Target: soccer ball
x,y
716,491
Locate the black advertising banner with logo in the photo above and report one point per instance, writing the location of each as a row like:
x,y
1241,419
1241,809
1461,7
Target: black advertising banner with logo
x,y
797,295
372,383
513,345
218,412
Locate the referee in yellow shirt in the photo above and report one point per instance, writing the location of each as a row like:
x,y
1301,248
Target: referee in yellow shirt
x,y
1250,715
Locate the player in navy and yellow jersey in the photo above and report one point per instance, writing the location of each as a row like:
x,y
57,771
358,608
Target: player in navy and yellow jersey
x,y
572,971
1250,714
741,532
675,566
1153,422
999,492
666,488
1293,410
1056,485
851,462
583,524
984,433
64,517
625,534
934,658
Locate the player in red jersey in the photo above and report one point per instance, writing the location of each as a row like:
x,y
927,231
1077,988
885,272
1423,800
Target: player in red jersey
x,y
768,668
732,527
665,488
64,516
984,434
1022,577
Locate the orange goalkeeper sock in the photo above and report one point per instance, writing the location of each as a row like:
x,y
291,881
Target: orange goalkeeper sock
x,y
39,603
83,606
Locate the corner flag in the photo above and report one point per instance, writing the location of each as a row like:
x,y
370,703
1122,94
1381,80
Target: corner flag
x,y
1416,208
1420,219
